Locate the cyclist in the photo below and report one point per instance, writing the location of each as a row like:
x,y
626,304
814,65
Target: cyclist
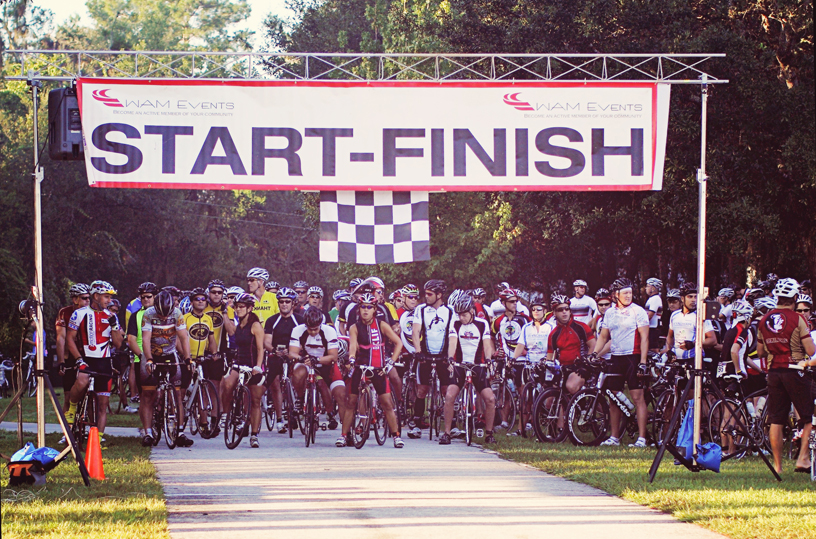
x,y
337,298
201,333
603,299
396,299
223,319
146,294
469,342
683,326
569,340
318,343
532,344
272,286
80,297
724,297
98,332
784,337
506,328
367,347
249,344
277,336
315,301
266,303
582,306
165,336
429,333
654,310
175,292
806,288
482,310
626,326
302,291
410,294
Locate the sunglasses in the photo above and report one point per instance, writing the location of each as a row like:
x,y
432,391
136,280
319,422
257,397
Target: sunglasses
x,y
511,301
300,292
562,310
802,310
219,292
252,280
285,301
538,308
89,297
200,298
411,297
366,307
604,304
314,296
146,296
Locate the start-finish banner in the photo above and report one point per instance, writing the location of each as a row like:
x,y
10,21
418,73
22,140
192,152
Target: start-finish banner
x,y
485,136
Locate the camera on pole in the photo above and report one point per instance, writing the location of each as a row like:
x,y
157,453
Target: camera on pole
x,y
65,126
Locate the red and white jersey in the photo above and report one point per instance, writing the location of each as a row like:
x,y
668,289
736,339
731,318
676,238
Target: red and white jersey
x,y
623,324
93,330
583,308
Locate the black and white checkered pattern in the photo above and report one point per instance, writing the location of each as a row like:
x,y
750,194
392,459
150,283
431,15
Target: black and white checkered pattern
x,y
374,227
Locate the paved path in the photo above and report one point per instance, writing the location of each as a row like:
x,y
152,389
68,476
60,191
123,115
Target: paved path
x,y
422,491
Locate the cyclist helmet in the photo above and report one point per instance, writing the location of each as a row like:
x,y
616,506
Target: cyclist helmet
x,y
673,293
354,283
367,298
655,282
394,295
79,289
148,287
338,294
286,293
258,273
603,293
742,310
272,284
436,285
579,282
766,286
410,289
376,282
726,293
688,288
235,291
115,302
752,294
313,318
300,284
197,291
164,303
464,304
765,304
620,284
216,283
315,290
538,301
502,285
102,287
246,299
454,296
773,277
805,284
175,292
786,288
558,299
506,294
342,349
801,298
479,292
185,305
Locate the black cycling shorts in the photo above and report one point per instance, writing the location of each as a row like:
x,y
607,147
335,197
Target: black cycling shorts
x,y
69,377
151,380
423,370
274,367
627,367
480,381
214,369
654,338
378,379
102,365
786,387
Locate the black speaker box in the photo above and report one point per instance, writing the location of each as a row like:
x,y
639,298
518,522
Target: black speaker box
x,y
65,140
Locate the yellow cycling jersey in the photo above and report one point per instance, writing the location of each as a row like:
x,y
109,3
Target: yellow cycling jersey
x,y
266,307
217,314
199,329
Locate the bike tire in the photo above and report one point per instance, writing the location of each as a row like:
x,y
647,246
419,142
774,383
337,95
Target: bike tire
x,y
716,428
432,411
380,424
32,386
270,417
158,413
663,410
208,408
309,420
237,417
170,419
548,406
526,400
505,405
192,417
470,413
588,418
289,399
409,398
362,419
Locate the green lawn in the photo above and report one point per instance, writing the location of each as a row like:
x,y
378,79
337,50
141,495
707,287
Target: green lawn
x,y
744,501
30,412
128,503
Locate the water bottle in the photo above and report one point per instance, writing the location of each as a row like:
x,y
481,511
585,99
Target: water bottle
x,y
625,400
751,410
760,406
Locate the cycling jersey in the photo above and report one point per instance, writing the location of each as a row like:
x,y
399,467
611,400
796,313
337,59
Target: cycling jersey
x,y
727,312
623,324
333,314
370,344
164,331
315,346
132,308
655,304
509,329
245,344
782,332
199,329
280,327
407,330
135,329
266,306
433,327
569,341
497,308
93,330
218,314
684,326
63,318
598,327
583,308
535,338
483,311
471,338
382,314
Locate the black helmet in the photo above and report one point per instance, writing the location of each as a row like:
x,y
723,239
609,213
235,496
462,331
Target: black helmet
x,y
148,287
313,318
197,291
217,283
688,288
164,303
174,291
620,284
464,304
436,285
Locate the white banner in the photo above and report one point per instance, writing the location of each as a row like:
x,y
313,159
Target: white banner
x,y
395,136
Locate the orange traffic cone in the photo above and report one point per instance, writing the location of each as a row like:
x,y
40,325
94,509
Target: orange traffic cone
x,y
93,456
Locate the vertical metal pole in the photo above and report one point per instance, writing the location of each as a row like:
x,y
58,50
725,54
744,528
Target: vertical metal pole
x,y
701,260
38,177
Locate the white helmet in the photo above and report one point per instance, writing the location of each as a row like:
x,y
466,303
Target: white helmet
x,y
258,273
765,304
102,287
655,282
579,282
454,296
236,290
726,293
742,310
673,293
804,298
786,288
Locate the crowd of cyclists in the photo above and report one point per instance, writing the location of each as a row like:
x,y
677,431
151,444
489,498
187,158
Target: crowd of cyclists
x,y
418,347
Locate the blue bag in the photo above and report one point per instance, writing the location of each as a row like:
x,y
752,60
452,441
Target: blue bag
x,y
685,436
709,456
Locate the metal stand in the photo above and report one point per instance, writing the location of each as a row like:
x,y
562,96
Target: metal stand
x,y
695,382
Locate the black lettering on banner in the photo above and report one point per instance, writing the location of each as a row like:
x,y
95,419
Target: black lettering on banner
x,y
577,159
521,153
329,137
206,157
437,152
463,138
168,134
599,151
391,152
260,153
99,138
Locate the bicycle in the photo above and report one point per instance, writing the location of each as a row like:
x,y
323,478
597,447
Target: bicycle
x,y
29,380
436,401
468,394
409,394
237,422
291,412
550,407
120,384
6,366
165,408
310,405
87,409
530,391
505,401
202,406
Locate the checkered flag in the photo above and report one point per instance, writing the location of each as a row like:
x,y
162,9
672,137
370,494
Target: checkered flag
x,y
374,227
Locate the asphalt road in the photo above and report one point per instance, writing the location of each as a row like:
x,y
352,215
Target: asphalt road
x,y
424,490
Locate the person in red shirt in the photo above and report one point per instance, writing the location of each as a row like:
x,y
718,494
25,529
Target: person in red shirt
x,y
783,336
80,297
569,340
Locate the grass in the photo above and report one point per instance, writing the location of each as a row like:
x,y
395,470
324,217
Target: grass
x,y
128,503
744,501
30,412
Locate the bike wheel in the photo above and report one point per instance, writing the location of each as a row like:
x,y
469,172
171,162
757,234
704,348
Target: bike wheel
x,y
362,419
721,423
378,419
192,417
170,419
505,406
270,417
309,420
32,385
432,411
237,416
525,405
588,418
209,408
289,399
158,414
469,407
548,411
663,410
408,398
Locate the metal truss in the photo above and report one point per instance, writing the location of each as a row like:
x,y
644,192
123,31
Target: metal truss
x,y
436,67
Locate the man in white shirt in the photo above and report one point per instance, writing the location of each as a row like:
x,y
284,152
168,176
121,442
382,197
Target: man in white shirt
x,y
654,310
582,306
